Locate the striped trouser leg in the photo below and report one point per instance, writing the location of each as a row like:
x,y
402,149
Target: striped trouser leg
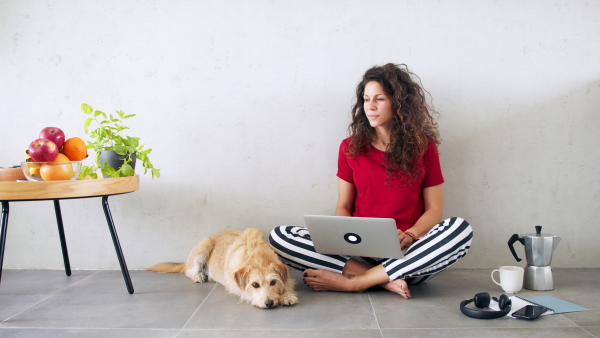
x,y
295,248
441,247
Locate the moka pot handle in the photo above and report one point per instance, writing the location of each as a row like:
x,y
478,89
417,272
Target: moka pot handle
x,y
512,241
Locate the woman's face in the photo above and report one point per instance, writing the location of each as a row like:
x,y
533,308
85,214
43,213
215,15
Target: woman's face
x,y
377,105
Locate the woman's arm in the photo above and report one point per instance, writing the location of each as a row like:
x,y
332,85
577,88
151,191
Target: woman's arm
x,y
434,210
346,196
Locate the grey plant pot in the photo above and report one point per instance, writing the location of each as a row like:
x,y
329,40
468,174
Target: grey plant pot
x,y
115,160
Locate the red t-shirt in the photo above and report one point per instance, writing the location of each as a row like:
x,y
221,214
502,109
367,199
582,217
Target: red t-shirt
x,y
376,197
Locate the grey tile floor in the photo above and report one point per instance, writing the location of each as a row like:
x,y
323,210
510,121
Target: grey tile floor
x,y
46,303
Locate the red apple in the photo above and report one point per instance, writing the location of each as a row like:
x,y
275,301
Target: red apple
x,y
43,150
53,134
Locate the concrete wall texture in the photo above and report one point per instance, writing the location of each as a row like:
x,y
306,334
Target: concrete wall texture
x,y
244,104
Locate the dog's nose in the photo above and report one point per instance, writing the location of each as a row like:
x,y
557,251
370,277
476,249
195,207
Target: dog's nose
x,y
269,304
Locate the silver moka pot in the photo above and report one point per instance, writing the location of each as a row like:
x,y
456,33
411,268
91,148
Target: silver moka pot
x,y
538,253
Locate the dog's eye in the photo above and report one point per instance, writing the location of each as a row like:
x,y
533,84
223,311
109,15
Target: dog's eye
x,y
256,285
273,282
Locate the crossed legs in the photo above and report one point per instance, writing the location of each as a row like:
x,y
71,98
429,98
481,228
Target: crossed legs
x,y
356,277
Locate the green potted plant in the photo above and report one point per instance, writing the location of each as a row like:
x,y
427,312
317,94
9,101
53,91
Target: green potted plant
x,y
116,153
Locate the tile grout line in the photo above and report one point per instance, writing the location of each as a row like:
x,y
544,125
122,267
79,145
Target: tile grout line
x,y
374,314
588,332
48,297
197,309
573,322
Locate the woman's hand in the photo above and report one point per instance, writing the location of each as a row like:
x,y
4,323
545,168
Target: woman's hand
x,y
405,240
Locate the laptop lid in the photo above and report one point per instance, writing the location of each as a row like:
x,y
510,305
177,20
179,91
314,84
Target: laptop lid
x,y
354,236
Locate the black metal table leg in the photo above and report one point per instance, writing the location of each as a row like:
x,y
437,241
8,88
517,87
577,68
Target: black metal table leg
x,y
113,233
3,233
61,234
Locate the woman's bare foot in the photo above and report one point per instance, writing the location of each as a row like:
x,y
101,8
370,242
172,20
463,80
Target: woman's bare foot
x,y
398,286
323,280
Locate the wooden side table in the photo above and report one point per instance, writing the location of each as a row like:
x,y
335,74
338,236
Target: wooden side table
x,y
58,190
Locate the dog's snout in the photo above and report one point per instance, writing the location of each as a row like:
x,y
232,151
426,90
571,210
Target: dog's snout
x,y
269,304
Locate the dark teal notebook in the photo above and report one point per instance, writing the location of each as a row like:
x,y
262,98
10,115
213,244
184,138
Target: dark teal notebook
x,y
555,304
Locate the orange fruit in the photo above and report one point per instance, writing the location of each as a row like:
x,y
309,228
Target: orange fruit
x,y
75,149
56,171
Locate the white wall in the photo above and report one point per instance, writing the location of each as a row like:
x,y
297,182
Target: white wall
x,y
245,103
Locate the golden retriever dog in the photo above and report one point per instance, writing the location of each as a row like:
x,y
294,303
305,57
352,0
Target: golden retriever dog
x,y
243,263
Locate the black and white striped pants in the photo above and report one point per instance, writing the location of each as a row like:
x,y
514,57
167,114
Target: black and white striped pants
x,y
441,247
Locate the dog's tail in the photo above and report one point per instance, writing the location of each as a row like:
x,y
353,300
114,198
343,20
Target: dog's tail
x,y
168,267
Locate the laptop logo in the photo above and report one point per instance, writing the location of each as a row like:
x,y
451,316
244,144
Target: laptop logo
x,y
352,238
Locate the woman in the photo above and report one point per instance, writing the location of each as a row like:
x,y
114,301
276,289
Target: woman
x,y
389,167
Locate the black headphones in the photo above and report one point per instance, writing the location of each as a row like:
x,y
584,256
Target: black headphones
x,y
482,300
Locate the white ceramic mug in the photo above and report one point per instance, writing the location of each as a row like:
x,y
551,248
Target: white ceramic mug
x,y
511,278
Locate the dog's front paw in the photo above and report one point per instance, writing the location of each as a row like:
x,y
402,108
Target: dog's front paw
x,y
289,299
198,278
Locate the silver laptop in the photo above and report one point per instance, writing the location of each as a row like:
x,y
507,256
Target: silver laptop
x,y
354,236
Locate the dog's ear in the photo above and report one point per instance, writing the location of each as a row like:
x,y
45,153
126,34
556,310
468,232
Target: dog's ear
x,y
282,271
241,277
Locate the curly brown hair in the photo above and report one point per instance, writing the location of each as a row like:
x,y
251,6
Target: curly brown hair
x,y
413,127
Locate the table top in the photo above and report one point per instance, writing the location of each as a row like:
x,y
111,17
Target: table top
x,y
48,190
